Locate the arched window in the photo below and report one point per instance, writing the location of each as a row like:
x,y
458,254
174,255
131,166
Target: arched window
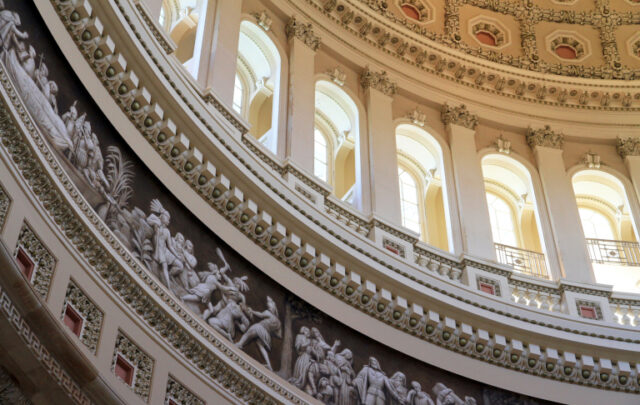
x,y
602,200
513,213
502,224
609,228
595,225
336,119
238,95
409,201
320,156
422,185
256,94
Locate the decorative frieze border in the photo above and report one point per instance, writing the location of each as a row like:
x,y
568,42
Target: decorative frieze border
x,y
98,258
411,320
176,151
39,350
222,189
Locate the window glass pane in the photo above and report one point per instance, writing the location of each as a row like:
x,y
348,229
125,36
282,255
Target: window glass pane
x,y
595,225
501,217
320,166
238,95
409,201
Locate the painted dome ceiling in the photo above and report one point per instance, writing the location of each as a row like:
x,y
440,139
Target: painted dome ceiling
x,y
593,39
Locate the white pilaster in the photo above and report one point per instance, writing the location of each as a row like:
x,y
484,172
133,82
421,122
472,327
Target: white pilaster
x,y
569,238
383,158
216,47
469,183
301,103
631,158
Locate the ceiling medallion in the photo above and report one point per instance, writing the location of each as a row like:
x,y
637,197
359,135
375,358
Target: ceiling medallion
x,y
418,11
568,45
489,32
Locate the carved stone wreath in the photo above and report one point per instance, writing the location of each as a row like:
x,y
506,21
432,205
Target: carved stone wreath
x,y
91,315
177,393
140,360
44,262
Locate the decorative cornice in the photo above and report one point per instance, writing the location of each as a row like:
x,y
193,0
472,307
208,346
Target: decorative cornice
x,y
545,137
304,32
628,146
458,116
378,81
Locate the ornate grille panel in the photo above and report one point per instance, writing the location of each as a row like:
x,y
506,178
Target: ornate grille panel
x,y
614,251
524,261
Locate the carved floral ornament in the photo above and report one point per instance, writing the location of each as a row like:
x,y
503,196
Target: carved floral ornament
x,y
459,116
628,146
378,81
304,32
545,137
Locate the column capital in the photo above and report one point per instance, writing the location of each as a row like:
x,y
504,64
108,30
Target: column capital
x,y
304,32
628,146
545,137
458,116
378,81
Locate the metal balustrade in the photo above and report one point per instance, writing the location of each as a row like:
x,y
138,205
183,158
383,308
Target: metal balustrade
x,y
614,252
522,260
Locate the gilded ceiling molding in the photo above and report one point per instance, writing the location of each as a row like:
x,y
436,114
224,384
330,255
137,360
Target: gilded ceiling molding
x,y
379,27
458,116
304,32
545,137
628,146
379,81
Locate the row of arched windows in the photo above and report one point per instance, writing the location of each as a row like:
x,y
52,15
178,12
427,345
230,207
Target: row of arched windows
x,y
510,192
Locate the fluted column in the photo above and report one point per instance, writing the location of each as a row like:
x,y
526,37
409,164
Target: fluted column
x,y
561,204
154,7
383,158
215,52
629,150
469,182
301,104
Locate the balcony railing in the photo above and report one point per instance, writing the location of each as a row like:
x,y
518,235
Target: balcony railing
x,y
614,252
524,261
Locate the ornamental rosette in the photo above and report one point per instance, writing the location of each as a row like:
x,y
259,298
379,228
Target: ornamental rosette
x,y
303,32
545,137
458,116
379,81
628,146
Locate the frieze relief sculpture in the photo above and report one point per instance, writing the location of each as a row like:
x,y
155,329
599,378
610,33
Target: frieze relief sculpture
x,y
215,291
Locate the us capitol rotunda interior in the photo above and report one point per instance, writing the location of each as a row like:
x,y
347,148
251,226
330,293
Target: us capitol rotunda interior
x,y
339,202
